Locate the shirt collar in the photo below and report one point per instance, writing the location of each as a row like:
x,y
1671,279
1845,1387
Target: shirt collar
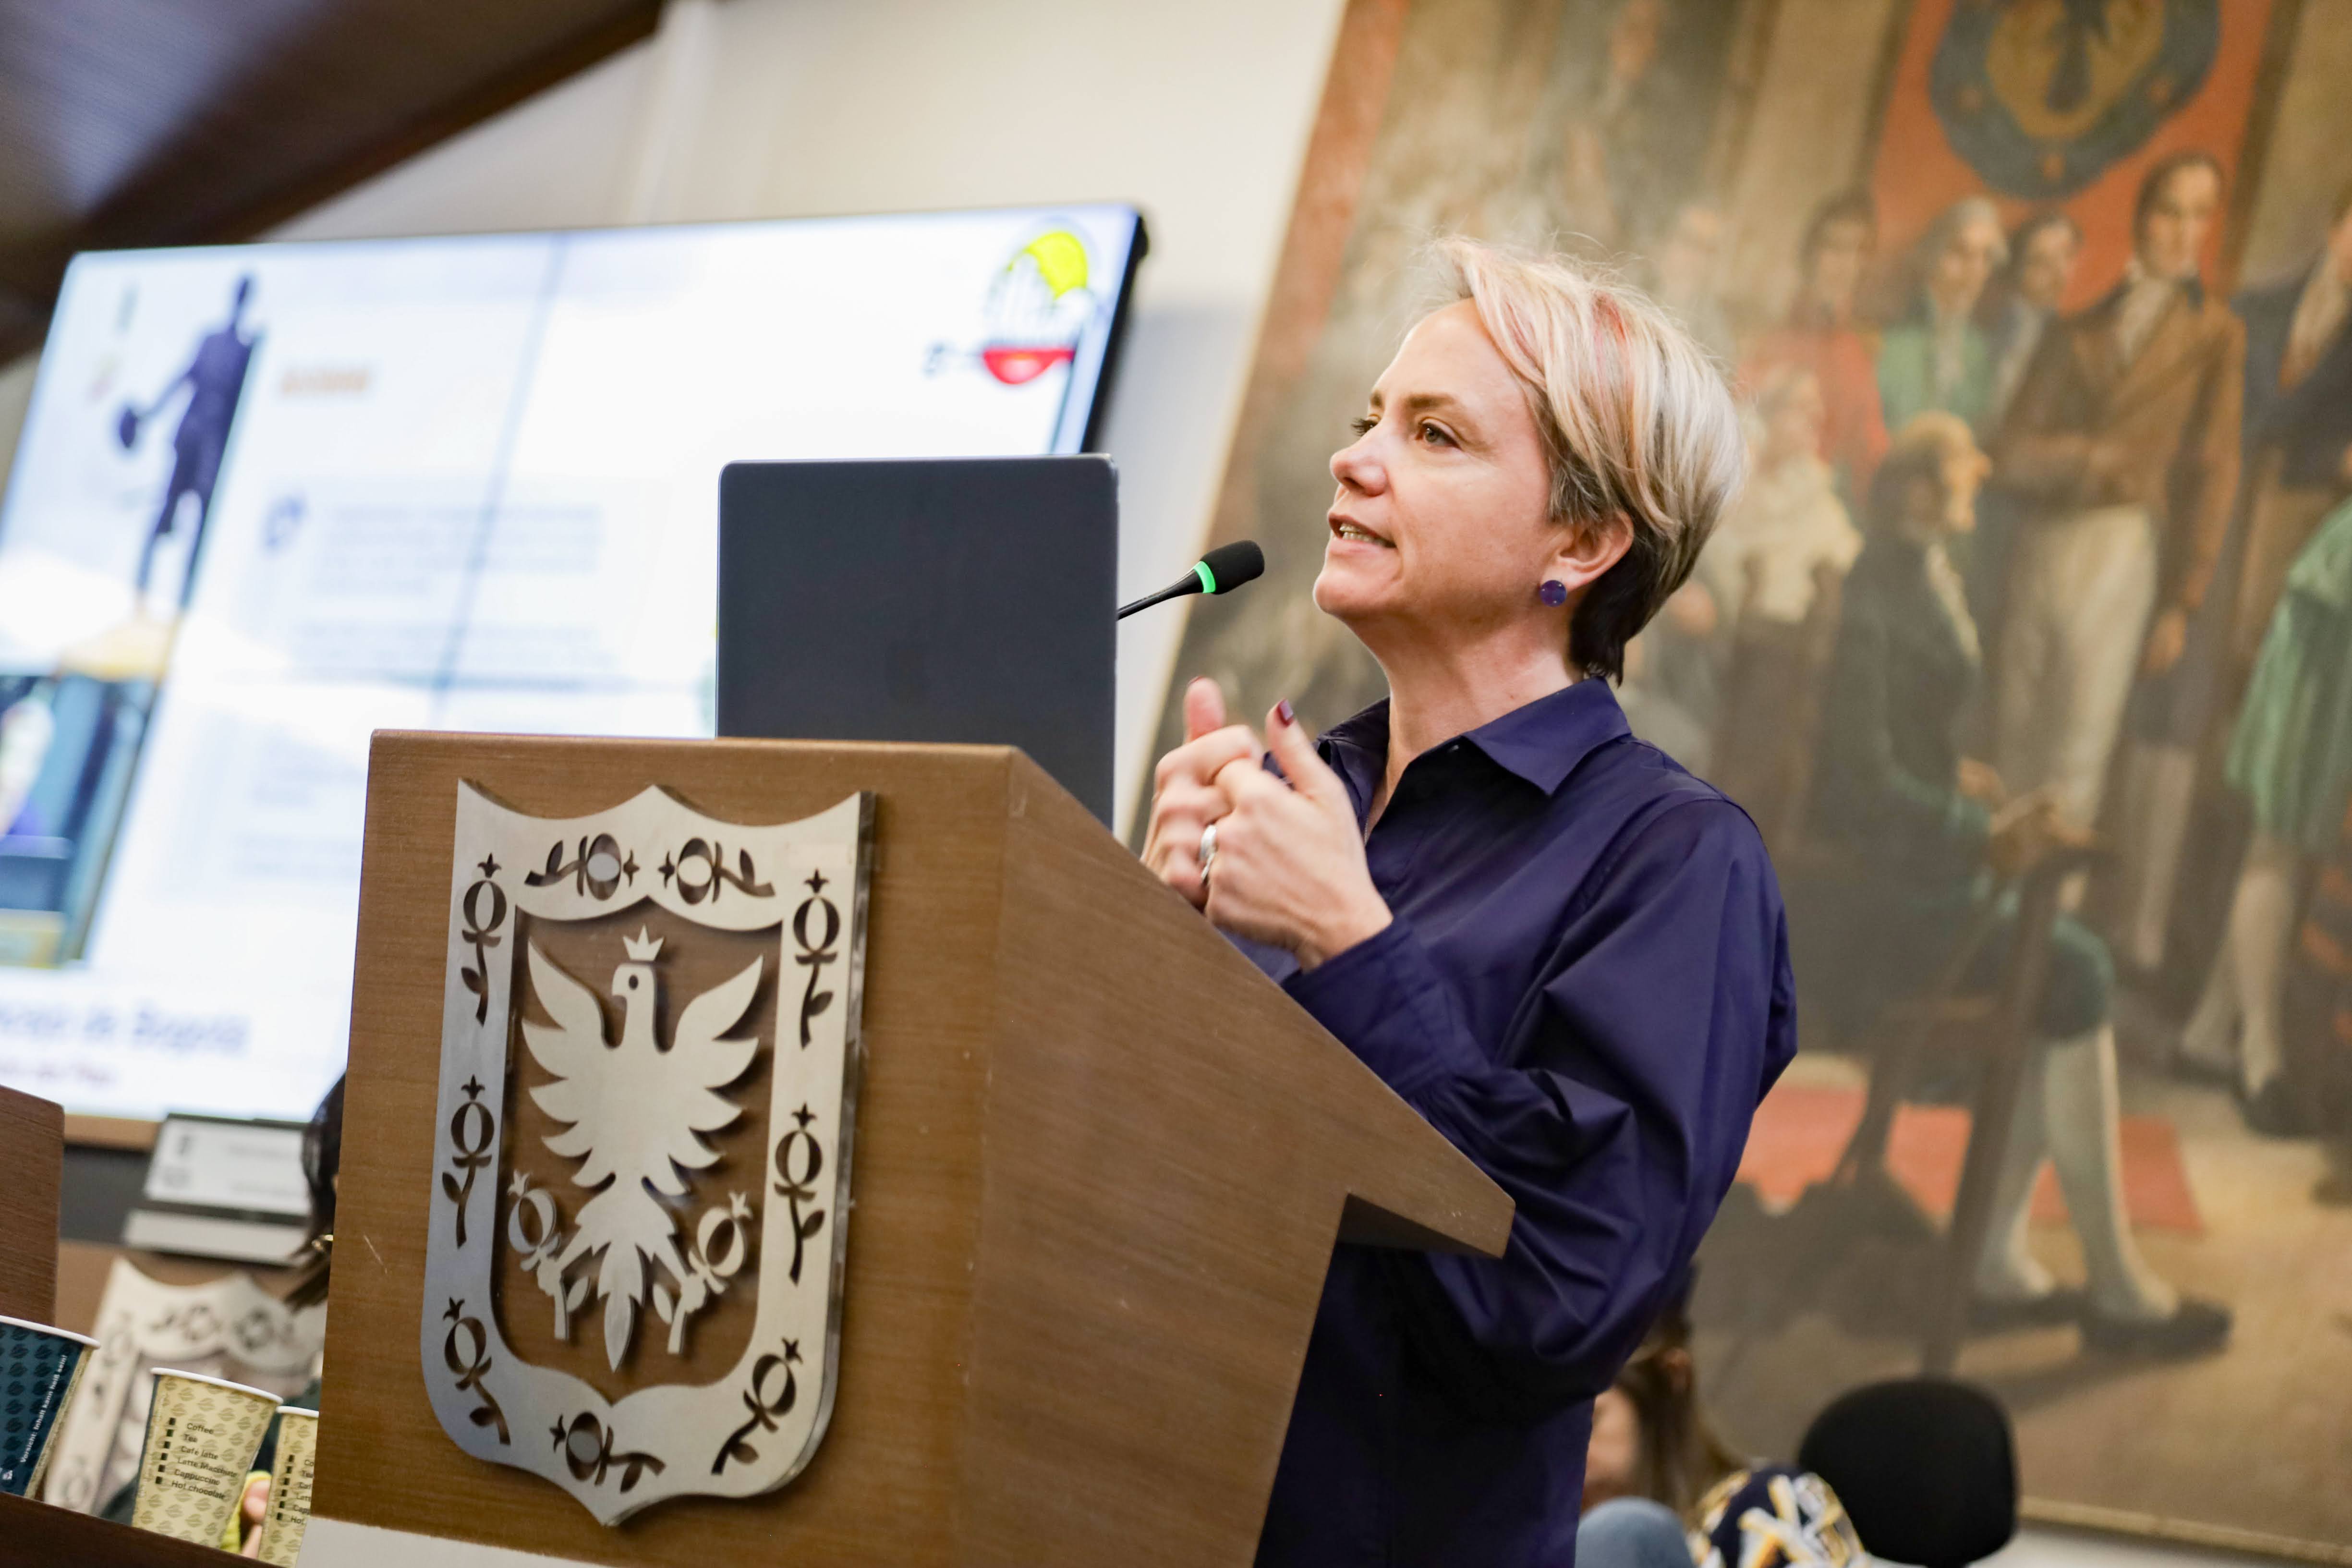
x,y
2193,288
1540,741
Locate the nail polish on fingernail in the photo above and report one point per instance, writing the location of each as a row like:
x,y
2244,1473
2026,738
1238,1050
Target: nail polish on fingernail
x,y
1282,708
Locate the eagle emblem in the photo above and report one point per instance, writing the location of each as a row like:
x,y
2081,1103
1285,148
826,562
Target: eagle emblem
x,y
633,1111
648,1064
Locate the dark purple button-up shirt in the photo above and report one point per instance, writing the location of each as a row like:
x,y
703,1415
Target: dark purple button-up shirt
x,y
1586,990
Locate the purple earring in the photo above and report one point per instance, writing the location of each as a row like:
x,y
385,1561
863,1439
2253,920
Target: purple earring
x,y
1553,592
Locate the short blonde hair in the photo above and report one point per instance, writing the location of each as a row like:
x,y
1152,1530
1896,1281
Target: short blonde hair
x,y
1635,418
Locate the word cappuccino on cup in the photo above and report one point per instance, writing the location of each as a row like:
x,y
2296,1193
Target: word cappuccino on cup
x,y
289,1487
202,1435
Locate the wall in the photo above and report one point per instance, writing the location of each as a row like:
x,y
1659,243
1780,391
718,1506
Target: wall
x,y
788,107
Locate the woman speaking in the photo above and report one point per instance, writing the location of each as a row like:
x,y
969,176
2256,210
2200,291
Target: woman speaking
x,y
1562,950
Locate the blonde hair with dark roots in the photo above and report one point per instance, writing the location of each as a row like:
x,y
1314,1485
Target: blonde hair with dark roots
x,y
1636,423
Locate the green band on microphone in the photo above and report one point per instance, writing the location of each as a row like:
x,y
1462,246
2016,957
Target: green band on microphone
x,y
1208,578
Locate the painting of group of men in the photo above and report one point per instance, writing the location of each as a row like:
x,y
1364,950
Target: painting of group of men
x,y
2045,556
2147,538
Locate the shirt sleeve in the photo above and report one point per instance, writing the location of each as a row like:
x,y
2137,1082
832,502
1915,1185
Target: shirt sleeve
x,y
1613,1112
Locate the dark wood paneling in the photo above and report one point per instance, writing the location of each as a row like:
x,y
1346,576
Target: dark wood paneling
x,y
32,1153
38,1535
136,122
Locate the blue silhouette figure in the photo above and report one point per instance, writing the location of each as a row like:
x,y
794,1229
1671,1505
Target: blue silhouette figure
x,y
216,381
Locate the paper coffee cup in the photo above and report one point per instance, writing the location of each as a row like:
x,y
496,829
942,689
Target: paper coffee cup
x,y
40,1368
289,1486
202,1435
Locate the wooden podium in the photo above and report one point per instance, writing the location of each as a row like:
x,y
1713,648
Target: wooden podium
x,y
32,1158
1100,1165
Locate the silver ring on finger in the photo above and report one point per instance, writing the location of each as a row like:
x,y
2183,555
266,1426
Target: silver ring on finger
x,y
1208,851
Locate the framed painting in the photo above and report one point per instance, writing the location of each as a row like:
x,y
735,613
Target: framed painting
x,y
1876,213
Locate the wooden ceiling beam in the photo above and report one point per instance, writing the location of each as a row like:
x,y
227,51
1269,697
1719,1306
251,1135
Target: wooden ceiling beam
x,y
268,107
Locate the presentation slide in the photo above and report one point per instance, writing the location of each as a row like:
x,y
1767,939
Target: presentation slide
x,y
270,498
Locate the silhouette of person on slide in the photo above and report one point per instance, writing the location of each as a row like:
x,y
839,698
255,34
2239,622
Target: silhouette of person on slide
x,y
216,381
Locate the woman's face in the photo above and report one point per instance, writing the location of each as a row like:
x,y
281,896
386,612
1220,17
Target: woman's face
x,y
1442,515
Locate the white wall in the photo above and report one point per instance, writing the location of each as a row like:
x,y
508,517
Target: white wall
x,y
1198,112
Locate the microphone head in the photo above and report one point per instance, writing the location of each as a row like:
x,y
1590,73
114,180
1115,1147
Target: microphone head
x,y
1230,565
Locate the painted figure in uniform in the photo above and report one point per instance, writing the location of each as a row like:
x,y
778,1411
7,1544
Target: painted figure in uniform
x,y
1923,822
2289,625
2023,300
1682,276
1821,336
1788,521
2018,307
2124,441
1937,358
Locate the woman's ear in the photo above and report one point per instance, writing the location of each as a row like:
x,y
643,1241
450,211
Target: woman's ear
x,y
1585,550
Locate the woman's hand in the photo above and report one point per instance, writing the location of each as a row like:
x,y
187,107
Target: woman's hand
x,y
1290,868
1184,800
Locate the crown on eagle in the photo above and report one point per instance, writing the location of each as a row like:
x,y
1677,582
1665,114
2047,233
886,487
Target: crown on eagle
x,y
643,949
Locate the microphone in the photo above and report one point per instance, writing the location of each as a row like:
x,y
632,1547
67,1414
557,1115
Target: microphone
x,y
1221,571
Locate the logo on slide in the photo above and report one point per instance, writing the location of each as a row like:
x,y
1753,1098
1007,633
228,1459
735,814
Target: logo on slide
x,y
1038,307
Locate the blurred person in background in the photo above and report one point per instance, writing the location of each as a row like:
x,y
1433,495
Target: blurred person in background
x,y
2125,440
2018,307
2290,594
1766,556
1924,826
1765,562
1682,276
1822,334
1936,357
2023,299
1653,1454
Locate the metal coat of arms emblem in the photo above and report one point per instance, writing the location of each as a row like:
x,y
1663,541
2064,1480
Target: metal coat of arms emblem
x,y
641,1172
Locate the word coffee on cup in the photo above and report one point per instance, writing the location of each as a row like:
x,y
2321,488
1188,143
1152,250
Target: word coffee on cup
x,y
289,1486
202,1435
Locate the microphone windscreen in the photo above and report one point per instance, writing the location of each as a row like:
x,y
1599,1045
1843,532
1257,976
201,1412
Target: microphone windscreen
x,y
1235,565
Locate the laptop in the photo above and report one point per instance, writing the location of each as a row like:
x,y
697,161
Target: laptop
x,y
937,600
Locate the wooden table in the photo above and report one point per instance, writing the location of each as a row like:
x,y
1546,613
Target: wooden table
x,y
36,1535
